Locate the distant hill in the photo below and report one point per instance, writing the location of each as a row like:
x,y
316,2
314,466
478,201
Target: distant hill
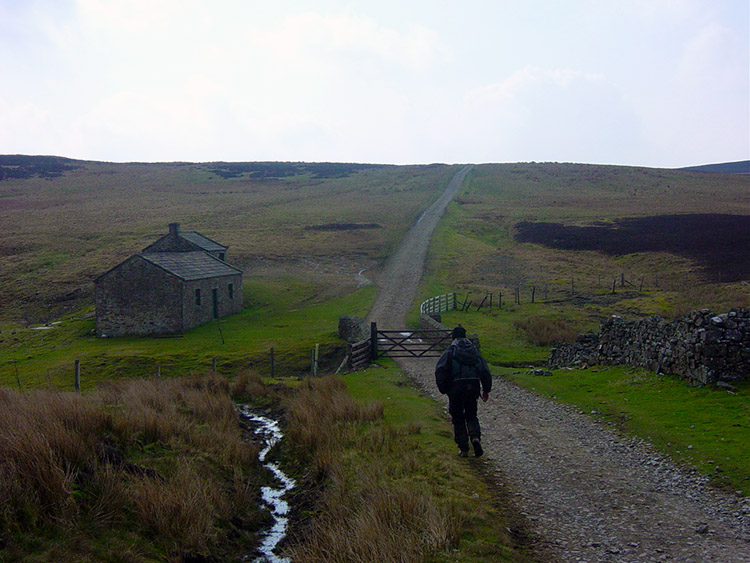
x,y
739,167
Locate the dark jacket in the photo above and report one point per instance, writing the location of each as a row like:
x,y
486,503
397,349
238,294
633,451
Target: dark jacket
x,y
451,366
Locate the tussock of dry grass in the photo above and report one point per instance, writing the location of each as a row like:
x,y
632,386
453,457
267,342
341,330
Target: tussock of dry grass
x,y
249,385
369,509
165,459
721,298
322,410
543,331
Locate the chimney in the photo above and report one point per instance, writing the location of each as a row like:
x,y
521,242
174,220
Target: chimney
x,y
174,229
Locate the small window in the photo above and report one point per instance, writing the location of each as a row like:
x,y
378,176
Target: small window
x,y
197,296
221,256
231,291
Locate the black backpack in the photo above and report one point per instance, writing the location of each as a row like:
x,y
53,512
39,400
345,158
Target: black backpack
x,y
466,361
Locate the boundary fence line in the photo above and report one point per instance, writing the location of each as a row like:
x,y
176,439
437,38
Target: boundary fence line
x,y
74,375
439,304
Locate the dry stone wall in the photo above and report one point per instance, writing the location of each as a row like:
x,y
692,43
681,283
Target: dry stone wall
x,y
701,346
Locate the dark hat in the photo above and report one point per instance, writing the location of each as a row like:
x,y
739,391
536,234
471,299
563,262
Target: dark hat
x,y
458,332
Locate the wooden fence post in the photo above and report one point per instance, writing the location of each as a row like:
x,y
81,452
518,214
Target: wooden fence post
x,y
77,381
213,365
158,372
455,301
500,299
614,285
373,341
533,293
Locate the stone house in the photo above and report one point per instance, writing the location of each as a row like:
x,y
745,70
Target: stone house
x,y
175,284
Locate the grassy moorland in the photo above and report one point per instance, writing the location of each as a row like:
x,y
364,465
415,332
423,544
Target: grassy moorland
x,y
302,233
301,239
478,249
310,221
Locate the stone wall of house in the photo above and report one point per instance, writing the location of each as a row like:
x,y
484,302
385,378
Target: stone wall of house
x,y
137,298
229,301
701,346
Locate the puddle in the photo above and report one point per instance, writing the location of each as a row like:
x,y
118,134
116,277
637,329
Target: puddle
x,y
269,432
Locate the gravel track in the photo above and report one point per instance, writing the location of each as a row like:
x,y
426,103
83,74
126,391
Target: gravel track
x,y
591,494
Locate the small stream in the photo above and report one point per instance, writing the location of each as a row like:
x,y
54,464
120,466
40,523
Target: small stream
x,y
269,432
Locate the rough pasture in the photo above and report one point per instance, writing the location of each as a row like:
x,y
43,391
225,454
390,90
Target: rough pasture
x,y
717,242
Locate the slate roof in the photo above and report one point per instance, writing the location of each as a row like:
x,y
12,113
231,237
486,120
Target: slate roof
x,y
203,242
190,265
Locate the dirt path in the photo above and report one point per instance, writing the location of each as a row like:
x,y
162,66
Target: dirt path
x,y
591,494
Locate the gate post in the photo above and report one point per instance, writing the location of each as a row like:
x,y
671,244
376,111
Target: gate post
x,y
373,341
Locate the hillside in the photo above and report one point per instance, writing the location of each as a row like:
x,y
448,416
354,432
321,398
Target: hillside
x,y
310,235
66,222
739,167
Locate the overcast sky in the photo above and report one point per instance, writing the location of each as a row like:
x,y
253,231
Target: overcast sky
x,y
662,83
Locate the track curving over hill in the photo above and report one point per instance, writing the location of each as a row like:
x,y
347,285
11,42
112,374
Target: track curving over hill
x,y
589,493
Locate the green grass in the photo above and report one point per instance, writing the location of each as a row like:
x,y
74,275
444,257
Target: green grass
x,y
700,426
282,314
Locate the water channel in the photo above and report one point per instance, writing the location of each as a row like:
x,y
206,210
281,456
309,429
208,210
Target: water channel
x,y
269,432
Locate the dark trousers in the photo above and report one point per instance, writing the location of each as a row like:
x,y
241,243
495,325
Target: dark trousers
x,y
462,404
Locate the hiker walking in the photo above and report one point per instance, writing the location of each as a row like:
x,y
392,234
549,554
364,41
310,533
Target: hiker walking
x,y
462,373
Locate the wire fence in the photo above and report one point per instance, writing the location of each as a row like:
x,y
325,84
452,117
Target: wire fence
x,y
581,289
86,374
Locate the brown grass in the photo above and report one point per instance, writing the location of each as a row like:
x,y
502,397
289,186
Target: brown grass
x,y
716,296
543,331
369,508
102,213
164,459
322,410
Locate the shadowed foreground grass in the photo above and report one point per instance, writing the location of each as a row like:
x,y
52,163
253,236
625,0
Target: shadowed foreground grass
x,y
386,483
137,471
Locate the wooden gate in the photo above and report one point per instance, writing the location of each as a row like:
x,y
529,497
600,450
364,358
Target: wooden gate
x,y
422,343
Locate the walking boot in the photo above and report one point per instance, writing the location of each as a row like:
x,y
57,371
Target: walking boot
x,y
478,451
